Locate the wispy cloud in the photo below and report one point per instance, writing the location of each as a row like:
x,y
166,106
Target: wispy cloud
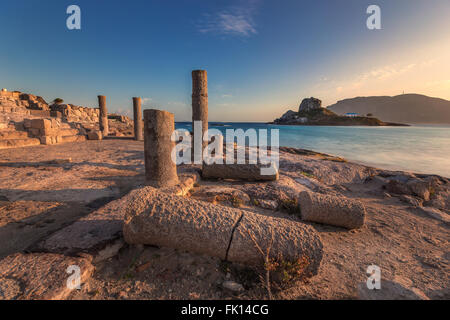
x,y
146,101
177,104
438,84
237,20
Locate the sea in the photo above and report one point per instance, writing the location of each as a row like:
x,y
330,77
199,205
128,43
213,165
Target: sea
x,y
417,148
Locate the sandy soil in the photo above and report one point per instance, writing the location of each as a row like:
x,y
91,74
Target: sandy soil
x,y
44,188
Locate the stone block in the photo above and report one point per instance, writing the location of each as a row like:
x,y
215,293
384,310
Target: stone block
x,y
16,143
95,135
41,124
40,113
47,140
250,172
56,114
35,132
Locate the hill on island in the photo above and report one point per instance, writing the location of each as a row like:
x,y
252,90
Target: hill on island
x,y
406,108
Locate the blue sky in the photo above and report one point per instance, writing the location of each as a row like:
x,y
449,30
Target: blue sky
x,y
262,57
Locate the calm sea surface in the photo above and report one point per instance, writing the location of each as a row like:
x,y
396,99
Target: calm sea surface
x,y
419,148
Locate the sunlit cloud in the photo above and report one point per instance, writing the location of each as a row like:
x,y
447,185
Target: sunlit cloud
x,y
177,104
438,84
419,75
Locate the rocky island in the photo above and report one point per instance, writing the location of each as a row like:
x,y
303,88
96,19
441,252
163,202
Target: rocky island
x,y
312,113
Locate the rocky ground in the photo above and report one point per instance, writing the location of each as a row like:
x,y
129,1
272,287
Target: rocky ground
x,y
46,191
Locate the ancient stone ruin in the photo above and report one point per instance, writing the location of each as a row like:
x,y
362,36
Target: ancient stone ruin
x,y
28,120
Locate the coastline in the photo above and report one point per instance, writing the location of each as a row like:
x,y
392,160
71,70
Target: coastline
x,y
417,148
385,124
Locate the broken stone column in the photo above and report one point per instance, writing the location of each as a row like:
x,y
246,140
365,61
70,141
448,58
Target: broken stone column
x,y
335,211
137,115
103,115
250,172
162,219
160,170
199,107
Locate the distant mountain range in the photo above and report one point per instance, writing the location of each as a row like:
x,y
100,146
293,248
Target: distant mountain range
x,y
406,108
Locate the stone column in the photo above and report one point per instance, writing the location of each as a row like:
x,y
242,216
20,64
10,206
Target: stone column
x,y
103,115
199,107
160,170
137,115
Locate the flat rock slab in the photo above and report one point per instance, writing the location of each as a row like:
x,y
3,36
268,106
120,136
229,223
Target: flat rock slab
x,y
90,233
99,233
436,214
39,276
249,172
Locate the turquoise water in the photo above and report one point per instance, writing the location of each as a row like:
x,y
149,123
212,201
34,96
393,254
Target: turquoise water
x,y
419,148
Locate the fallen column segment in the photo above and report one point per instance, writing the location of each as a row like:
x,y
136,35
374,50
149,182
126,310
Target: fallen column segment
x,y
291,241
166,220
155,218
336,211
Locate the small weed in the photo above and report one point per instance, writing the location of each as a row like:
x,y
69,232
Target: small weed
x,y
309,175
236,202
291,206
225,266
278,272
432,192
